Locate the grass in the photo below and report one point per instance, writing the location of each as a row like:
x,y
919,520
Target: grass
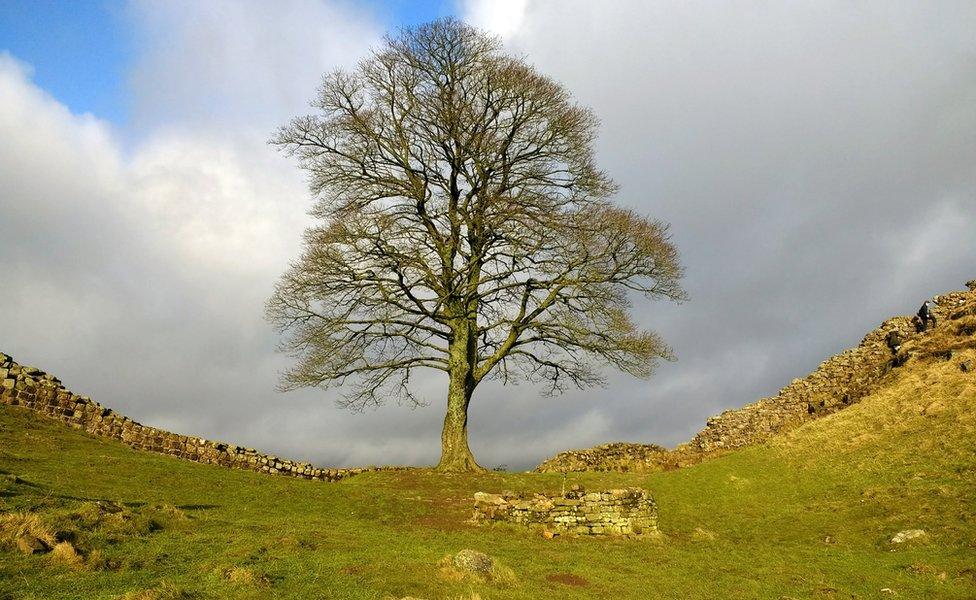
x,y
809,515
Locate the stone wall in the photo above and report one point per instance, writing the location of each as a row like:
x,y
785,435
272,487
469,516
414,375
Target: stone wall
x,y
838,382
42,393
618,456
621,512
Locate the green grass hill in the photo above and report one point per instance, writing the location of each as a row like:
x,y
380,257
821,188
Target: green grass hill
x,y
808,513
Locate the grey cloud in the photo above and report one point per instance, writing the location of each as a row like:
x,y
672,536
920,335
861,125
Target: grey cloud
x,y
815,162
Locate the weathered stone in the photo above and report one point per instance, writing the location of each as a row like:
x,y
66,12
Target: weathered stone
x,y
907,535
473,561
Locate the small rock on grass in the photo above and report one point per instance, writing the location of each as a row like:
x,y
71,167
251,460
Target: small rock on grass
x,y
907,535
473,561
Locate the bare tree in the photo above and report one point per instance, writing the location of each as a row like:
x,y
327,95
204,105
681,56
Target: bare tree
x,y
464,228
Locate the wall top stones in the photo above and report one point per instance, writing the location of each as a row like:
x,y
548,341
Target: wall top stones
x,y
43,393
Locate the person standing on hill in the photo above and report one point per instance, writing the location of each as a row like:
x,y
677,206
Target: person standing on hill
x,y
925,315
894,340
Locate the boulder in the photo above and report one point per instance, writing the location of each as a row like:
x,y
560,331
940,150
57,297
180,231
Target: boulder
x,y
473,561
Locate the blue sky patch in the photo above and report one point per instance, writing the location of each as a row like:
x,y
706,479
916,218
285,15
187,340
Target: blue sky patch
x,y
81,50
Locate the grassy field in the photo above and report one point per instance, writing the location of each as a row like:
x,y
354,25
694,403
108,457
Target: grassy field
x,y
807,516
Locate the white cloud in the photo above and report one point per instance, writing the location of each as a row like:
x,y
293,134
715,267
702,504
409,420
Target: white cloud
x,y
502,17
240,64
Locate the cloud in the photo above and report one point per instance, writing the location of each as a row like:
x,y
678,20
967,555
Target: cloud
x,y
815,162
239,65
503,17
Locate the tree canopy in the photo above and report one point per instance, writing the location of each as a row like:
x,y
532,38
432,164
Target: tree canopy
x,y
463,227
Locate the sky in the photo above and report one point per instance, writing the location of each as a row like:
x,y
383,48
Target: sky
x,y
814,159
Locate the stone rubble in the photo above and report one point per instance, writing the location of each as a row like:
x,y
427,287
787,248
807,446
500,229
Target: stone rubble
x,y
626,512
43,393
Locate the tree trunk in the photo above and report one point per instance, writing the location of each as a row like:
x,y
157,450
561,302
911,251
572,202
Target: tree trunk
x,y
455,454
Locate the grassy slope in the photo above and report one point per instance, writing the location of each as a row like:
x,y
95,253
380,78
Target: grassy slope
x,y
806,516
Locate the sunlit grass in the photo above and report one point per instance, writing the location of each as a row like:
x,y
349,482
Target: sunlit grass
x,y
809,515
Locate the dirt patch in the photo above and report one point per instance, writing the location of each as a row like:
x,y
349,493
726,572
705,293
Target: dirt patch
x,y
353,570
568,579
446,514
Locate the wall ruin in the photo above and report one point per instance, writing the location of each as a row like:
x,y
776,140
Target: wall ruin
x,y
624,512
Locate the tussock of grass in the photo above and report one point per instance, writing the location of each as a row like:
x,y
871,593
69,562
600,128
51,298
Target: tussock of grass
x,y
97,561
64,553
499,575
17,524
701,534
68,533
165,591
170,512
947,339
245,576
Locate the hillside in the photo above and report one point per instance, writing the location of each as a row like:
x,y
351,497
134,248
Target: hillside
x,y
839,382
809,513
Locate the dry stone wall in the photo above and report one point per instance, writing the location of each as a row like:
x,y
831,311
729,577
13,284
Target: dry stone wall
x,y
618,456
43,393
621,512
837,383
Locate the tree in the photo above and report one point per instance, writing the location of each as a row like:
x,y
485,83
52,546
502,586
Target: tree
x,y
463,227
